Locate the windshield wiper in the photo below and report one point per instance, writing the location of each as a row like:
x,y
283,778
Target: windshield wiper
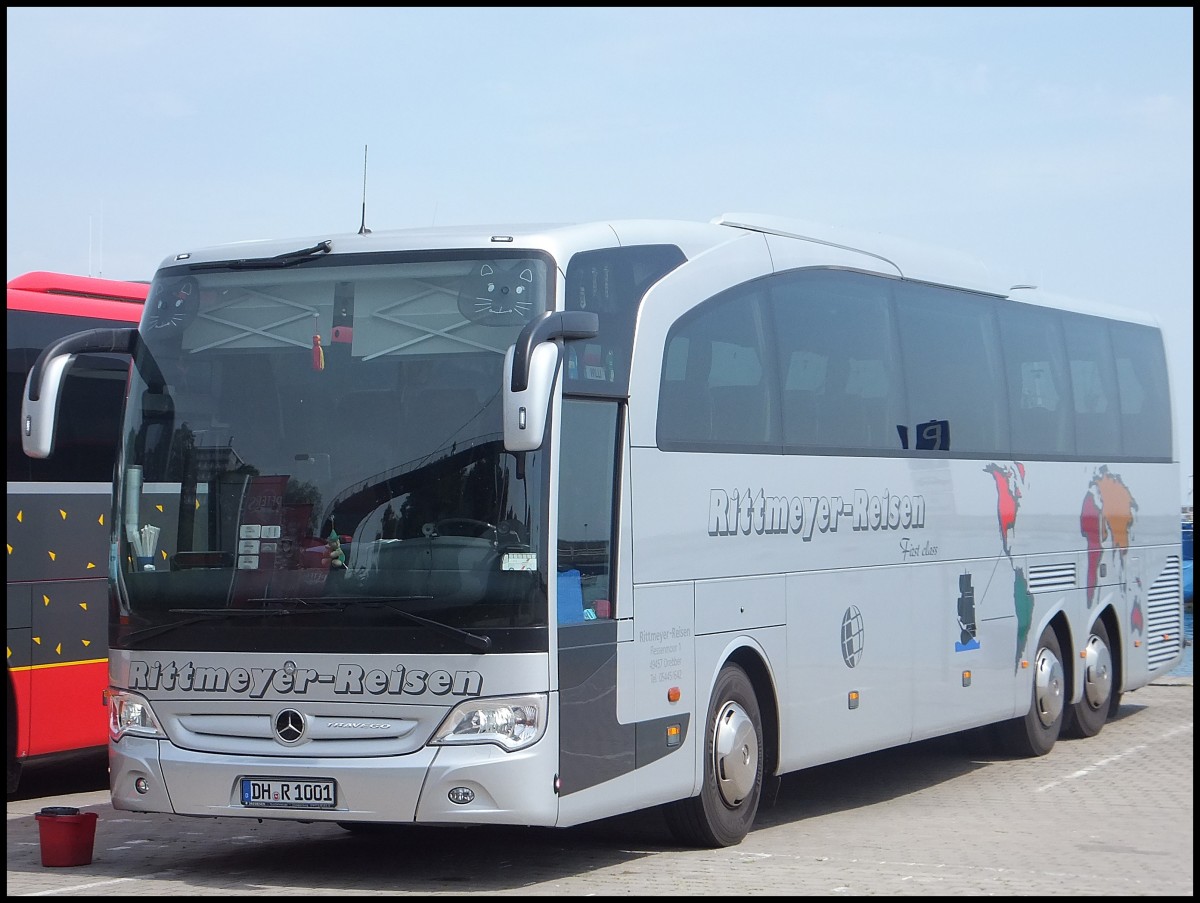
x,y
220,614
474,640
279,260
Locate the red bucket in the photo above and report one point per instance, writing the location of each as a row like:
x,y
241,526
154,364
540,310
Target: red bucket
x,y
67,836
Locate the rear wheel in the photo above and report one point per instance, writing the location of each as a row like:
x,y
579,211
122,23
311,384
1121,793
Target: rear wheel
x,y
1035,733
723,812
1086,717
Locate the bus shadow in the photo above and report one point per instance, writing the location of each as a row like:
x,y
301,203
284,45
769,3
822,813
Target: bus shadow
x,y
876,777
890,774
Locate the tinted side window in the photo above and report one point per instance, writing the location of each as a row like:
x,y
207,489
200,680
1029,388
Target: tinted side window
x,y
1040,413
717,386
833,362
1143,390
952,366
611,283
1093,387
840,385
585,514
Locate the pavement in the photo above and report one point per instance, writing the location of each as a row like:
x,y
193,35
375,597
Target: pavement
x,y
1108,816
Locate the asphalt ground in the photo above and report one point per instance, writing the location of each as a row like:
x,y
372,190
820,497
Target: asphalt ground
x,y
1107,816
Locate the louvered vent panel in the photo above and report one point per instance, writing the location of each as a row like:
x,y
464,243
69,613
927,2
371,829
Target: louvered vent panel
x,y
1164,615
1046,578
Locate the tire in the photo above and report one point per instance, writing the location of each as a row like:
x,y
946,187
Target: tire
x,y
1086,717
1035,733
1115,704
723,812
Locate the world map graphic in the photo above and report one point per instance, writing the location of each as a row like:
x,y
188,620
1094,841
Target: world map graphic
x,y
1107,519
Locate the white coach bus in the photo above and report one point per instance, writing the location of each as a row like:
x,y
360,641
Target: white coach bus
x,y
539,525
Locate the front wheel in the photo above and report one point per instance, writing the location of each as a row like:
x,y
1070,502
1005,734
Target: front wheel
x,y
1086,717
723,812
1035,733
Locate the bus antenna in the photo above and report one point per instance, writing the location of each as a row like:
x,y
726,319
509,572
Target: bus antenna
x,y
362,229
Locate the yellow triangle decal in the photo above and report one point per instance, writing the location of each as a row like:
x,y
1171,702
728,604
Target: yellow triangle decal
x,y
62,514
53,556
87,642
45,599
90,565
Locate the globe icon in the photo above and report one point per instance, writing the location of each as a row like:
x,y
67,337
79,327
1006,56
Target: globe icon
x,y
852,636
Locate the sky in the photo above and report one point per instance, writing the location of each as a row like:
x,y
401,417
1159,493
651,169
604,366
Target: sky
x,y
1052,144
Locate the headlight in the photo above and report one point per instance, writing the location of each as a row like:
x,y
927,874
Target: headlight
x,y
511,723
129,713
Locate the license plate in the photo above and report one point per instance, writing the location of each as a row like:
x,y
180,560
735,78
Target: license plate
x,y
281,793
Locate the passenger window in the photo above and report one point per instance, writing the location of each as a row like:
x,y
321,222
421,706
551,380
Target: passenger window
x,y
840,385
1142,388
952,364
1093,386
716,388
1035,363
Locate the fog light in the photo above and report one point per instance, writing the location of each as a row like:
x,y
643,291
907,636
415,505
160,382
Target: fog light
x,y
461,795
141,785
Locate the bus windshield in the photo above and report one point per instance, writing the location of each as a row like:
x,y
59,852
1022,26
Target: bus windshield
x,y
277,414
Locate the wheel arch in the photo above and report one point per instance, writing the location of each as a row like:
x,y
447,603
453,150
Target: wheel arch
x,y
1116,643
753,662
1071,673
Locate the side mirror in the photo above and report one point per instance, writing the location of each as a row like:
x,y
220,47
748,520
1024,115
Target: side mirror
x,y
530,366
43,385
526,411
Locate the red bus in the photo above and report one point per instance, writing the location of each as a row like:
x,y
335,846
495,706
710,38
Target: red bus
x,y
58,520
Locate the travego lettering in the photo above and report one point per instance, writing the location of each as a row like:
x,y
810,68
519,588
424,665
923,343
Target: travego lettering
x,y
749,511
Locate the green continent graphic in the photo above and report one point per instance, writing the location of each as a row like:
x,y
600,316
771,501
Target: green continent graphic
x,y
1023,606
1010,485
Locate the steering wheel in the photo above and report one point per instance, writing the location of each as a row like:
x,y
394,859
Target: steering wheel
x,y
462,526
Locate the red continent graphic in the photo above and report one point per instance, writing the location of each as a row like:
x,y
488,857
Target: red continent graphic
x,y
1008,499
1089,526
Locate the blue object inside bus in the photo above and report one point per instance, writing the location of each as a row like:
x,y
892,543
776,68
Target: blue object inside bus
x,y
570,597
